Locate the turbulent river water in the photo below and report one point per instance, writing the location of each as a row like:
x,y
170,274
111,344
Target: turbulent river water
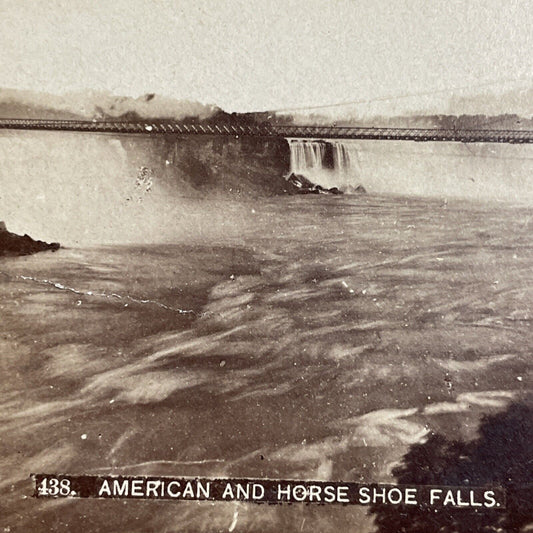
x,y
320,342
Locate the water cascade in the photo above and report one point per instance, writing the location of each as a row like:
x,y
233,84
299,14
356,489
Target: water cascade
x,y
307,156
326,163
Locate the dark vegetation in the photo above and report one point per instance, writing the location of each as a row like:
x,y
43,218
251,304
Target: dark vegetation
x,y
502,455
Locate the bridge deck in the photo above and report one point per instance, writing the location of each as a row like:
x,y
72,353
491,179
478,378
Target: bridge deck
x,y
270,130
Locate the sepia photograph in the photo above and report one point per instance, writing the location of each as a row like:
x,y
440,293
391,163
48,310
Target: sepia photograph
x,y
266,266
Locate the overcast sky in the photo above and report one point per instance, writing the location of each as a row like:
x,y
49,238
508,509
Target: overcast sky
x,y
254,55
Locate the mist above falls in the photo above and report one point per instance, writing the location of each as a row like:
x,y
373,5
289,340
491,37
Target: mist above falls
x,y
83,189
90,189
477,171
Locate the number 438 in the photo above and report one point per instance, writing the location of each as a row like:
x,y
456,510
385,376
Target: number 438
x,y
52,486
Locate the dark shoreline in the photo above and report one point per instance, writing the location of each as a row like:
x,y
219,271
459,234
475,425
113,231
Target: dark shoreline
x,y
12,244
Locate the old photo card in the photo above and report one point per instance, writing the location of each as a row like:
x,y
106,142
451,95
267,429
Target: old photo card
x,y
266,266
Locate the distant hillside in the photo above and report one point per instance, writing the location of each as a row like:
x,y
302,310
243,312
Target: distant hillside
x,y
20,109
503,122
98,105
92,105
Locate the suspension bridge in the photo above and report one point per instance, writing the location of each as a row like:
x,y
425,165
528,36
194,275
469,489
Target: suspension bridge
x,y
274,130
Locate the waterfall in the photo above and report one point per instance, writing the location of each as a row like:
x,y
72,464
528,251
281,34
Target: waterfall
x,y
341,157
307,155
328,163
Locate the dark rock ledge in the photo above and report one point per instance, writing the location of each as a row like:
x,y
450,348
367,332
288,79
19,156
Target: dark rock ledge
x,y
13,245
301,185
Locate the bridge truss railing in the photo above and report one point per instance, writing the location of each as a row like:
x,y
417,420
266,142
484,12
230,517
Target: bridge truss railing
x,y
271,130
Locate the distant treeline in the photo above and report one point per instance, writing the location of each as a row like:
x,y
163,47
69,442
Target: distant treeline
x,y
462,122
150,107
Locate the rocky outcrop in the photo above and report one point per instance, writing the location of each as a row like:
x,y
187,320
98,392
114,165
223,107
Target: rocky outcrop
x,y
302,185
355,190
12,244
